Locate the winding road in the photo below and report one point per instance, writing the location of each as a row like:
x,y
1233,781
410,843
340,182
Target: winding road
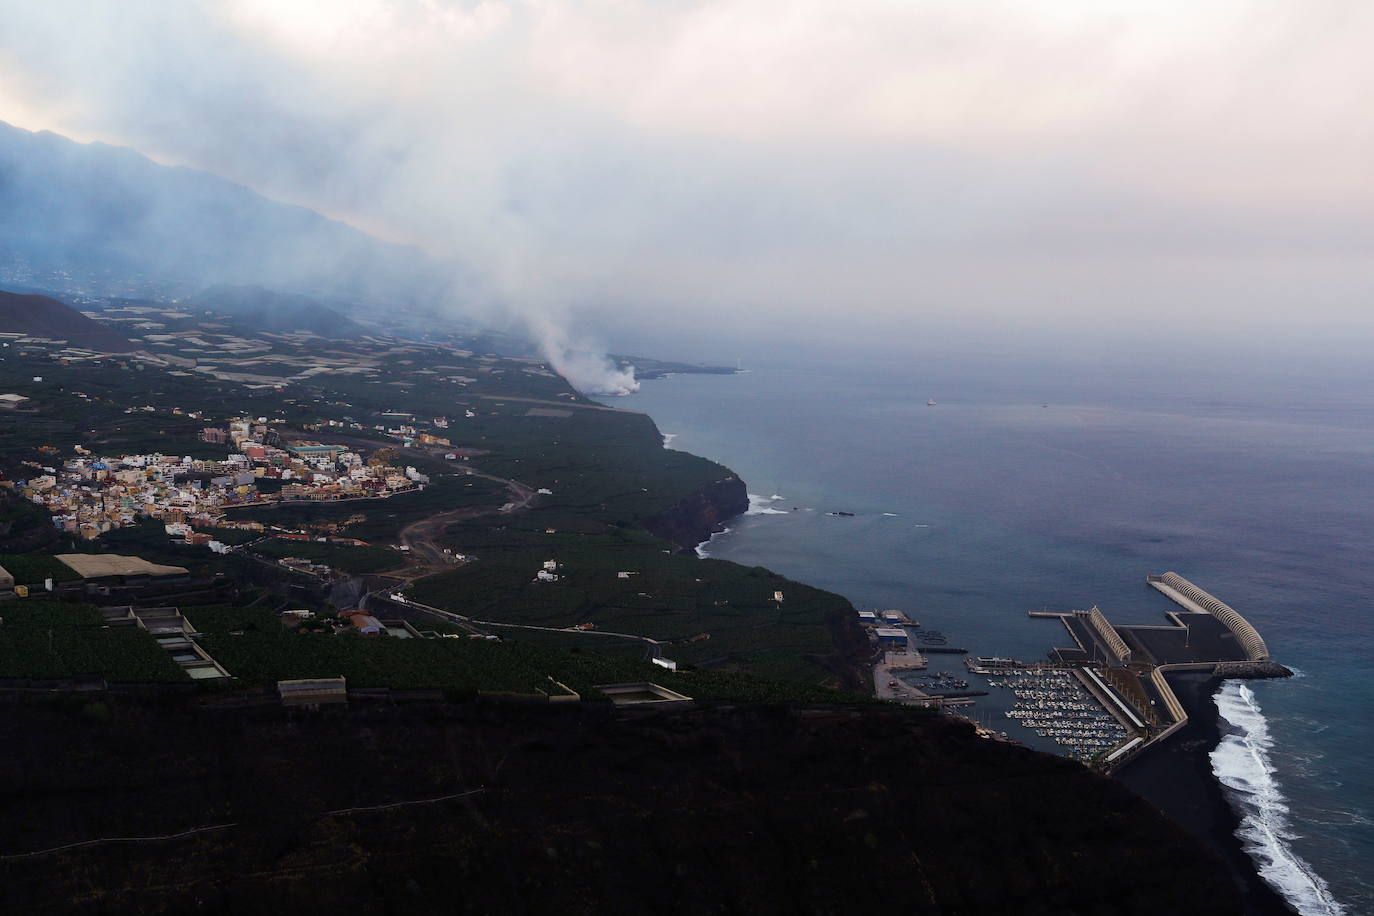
x,y
426,557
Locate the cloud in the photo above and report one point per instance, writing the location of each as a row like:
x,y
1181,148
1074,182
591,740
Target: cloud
x,y
703,159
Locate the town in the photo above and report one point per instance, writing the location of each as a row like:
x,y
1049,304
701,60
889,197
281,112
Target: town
x,y
90,495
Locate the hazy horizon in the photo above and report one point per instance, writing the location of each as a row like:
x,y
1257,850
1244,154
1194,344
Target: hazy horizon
x,y
1032,174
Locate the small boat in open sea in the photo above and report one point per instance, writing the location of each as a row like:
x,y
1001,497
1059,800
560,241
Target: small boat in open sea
x,y
930,402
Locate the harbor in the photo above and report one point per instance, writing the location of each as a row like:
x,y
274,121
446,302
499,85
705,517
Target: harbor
x,y
1055,704
1103,698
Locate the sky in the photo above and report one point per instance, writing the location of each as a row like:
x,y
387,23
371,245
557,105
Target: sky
x,y
881,169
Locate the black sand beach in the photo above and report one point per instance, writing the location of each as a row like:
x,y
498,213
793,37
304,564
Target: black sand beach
x,y
1178,779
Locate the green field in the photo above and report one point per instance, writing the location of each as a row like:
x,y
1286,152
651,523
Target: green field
x,y
32,569
704,610
54,639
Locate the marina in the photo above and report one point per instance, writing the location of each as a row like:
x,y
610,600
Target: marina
x,y
1055,704
1104,699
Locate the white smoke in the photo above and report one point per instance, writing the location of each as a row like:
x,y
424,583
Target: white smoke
x,y
587,368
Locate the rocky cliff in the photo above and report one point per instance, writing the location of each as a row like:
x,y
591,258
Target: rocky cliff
x,y
701,514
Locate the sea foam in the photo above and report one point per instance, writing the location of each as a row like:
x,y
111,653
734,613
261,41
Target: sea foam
x,y
758,505
1241,763
701,548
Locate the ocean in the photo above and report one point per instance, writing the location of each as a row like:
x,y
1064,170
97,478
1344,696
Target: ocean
x,y
1037,486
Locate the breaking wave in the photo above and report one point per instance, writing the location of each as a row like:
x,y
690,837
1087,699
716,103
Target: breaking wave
x,y
1242,764
701,548
759,505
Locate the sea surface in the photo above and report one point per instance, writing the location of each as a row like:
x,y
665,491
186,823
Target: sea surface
x,y
1061,487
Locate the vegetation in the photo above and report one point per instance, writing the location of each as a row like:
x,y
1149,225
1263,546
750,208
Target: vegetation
x,y
357,560
223,618
605,471
703,610
234,537
384,517
54,639
32,569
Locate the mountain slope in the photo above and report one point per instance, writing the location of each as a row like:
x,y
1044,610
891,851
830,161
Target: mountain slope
x,y
39,316
98,210
264,310
734,809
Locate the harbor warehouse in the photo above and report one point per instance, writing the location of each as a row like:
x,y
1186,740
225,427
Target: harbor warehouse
x,y
891,636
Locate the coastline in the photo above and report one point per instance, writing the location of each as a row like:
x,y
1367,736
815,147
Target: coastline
x,y
1177,778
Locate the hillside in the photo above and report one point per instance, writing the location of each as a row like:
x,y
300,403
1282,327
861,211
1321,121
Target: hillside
x,y
39,316
261,309
96,211
743,809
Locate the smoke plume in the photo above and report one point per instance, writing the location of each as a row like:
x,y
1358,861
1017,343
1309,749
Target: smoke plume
x,y
585,366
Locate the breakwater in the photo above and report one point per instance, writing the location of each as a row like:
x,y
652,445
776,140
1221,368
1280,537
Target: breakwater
x,y
1187,595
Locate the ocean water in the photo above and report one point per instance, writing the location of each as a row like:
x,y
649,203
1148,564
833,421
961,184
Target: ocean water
x,y
1061,487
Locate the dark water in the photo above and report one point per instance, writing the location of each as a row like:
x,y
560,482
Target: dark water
x,y
1062,489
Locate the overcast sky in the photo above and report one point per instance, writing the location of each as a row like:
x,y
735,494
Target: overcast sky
x,y
881,165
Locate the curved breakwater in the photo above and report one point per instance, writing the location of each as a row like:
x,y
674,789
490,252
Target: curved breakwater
x,y
1242,764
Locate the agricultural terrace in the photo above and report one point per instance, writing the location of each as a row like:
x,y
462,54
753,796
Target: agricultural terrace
x,y
705,611
255,648
48,640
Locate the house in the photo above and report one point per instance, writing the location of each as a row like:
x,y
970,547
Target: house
x,y
363,622
6,583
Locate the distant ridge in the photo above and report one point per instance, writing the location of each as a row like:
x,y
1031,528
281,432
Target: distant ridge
x,y
98,212
262,309
40,316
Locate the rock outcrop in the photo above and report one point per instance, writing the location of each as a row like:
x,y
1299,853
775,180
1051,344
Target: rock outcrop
x,y
1250,670
701,514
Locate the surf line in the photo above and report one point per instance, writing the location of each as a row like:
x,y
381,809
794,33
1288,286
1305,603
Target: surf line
x,y
1242,764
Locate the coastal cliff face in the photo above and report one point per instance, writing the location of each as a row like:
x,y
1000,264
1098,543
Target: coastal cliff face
x,y
701,514
739,808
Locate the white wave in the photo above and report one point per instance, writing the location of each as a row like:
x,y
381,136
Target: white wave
x,y
758,505
920,526
775,497
1242,764
890,514
701,548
